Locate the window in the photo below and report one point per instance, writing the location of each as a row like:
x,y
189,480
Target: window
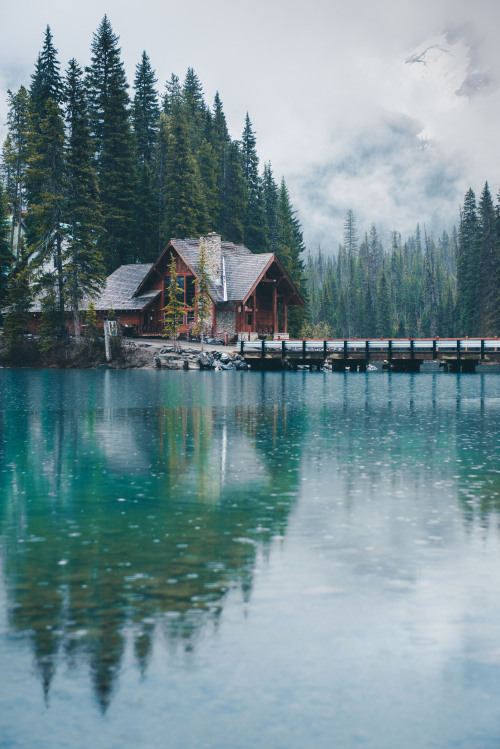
x,y
187,284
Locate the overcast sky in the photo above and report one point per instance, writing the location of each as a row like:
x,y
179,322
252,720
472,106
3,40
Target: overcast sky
x,y
388,107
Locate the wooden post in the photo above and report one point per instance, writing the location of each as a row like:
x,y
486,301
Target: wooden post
x,y
284,316
482,349
107,343
275,308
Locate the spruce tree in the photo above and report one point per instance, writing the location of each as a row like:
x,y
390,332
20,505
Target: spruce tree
x,y
232,196
384,317
17,305
202,299
46,177
271,202
15,159
83,266
46,81
146,113
174,309
49,323
468,264
489,252
290,247
350,233
255,223
6,256
185,213
114,147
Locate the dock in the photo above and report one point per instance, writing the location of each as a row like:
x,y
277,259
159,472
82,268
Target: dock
x,y
357,354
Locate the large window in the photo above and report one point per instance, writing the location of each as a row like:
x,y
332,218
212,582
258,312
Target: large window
x,y
187,284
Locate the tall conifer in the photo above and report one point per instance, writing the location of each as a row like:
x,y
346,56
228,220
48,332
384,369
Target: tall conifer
x,y
83,262
146,114
255,224
113,141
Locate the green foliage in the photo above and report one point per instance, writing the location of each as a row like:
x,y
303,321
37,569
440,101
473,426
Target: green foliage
x,y
6,256
83,265
15,160
108,104
50,328
319,330
185,213
403,292
202,299
145,119
17,306
255,219
91,328
174,310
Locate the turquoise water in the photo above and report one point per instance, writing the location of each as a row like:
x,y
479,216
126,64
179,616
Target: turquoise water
x,y
226,560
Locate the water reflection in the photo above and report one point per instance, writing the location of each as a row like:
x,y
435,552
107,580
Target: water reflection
x,y
133,504
141,517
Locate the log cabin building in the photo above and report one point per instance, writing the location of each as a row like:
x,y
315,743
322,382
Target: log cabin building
x,y
250,292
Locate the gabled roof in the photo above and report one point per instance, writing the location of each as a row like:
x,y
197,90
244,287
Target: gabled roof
x,y
242,273
121,287
243,269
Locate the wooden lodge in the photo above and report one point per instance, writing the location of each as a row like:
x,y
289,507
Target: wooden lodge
x,y
250,292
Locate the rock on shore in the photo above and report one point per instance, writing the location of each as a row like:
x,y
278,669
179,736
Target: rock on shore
x,y
170,357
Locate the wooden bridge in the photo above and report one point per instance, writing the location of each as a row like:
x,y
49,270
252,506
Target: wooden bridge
x,y
356,354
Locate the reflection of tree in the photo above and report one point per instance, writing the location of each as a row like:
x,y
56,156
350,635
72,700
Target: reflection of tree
x,y
100,541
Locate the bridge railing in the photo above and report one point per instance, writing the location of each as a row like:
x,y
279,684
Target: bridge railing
x,y
392,347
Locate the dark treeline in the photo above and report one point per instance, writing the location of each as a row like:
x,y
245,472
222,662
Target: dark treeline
x,y
98,177
420,287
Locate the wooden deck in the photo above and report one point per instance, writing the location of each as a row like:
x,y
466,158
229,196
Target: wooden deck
x,y
405,354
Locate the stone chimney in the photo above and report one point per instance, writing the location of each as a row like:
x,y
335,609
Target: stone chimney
x,y
213,252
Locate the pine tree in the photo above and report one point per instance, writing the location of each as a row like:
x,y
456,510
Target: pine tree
x,y
17,305
350,233
91,328
185,213
384,317
194,108
146,113
255,219
113,141
49,323
202,299
174,310
232,196
46,81
290,247
83,266
271,201
468,263
46,173
15,159
489,253
6,256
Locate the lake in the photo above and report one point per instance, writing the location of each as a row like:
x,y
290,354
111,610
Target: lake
x,y
231,560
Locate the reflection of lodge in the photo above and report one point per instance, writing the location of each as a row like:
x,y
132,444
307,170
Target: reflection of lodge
x,y
250,293
162,567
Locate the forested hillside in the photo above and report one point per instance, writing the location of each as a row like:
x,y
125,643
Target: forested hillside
x,y
102,177
99,176
417,287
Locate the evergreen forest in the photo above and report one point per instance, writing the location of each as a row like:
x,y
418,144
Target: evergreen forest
x,y
417,288
98,174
